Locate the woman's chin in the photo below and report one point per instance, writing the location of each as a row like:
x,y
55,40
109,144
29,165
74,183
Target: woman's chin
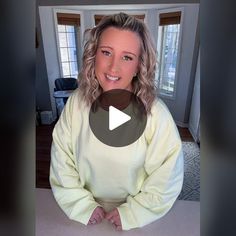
x,y
108,88
105,89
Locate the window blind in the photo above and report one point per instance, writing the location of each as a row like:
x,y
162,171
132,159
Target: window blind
x,y
170,18
68,19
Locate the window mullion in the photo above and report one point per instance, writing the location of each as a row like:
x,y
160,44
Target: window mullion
x,y
67,46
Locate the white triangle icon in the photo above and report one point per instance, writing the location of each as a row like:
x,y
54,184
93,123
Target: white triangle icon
x,y
117,118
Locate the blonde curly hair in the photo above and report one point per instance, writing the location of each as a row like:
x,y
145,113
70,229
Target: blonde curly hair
x,y
143,83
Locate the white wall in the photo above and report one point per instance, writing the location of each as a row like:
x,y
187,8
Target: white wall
x,y
176,106
194,119
179,105
50,50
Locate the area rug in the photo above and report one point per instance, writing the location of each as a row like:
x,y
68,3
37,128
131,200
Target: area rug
x,y
191,184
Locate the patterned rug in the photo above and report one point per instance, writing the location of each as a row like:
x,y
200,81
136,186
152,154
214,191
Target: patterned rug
x,y
191,185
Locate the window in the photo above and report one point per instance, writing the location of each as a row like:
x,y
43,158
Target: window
x,y
167,46
68,28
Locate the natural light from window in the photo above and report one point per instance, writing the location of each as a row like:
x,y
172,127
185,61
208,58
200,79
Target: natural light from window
x,y
68,53
167,47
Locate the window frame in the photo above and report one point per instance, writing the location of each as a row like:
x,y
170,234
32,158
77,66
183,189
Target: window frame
x,y
176,81
78,39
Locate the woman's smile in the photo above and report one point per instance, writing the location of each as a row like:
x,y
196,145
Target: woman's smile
x,y
112,78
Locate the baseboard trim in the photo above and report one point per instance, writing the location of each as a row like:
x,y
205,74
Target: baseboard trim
x,y
194,135
181,124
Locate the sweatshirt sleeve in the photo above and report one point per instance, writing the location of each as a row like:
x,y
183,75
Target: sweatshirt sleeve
x,y
77,202
164,168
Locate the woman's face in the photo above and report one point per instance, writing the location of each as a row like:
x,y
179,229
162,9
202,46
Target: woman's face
x,y
117,58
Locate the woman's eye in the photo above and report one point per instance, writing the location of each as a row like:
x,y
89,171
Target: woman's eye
x,y
106,53
127,58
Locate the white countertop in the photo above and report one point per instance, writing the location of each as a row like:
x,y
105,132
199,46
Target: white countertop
x,y
182,220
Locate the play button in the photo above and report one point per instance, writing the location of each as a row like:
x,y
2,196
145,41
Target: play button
x,y
117,118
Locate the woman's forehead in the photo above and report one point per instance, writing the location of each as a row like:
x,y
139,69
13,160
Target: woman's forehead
x,y
126,39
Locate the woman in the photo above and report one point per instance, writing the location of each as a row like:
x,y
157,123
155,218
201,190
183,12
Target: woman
x,y
130,186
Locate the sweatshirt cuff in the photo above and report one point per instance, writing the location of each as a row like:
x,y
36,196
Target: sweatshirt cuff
x,y
83,214
127,219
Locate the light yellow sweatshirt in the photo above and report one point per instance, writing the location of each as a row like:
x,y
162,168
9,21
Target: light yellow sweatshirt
x,y
146,175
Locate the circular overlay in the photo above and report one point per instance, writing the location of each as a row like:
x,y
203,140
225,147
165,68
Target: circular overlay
x,y
111,109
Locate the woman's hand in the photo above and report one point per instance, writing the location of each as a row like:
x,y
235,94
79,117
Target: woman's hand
x,y
97,216
114,217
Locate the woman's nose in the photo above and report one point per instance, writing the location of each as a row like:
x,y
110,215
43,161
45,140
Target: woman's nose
x,y
114,65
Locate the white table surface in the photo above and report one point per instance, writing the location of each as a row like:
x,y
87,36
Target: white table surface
x,y
182,220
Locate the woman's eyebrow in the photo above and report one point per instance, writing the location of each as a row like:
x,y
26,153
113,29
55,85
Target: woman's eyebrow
x,y
127,52
130,53
106,47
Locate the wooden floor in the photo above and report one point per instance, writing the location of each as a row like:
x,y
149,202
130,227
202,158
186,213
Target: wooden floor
x,y
43,146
